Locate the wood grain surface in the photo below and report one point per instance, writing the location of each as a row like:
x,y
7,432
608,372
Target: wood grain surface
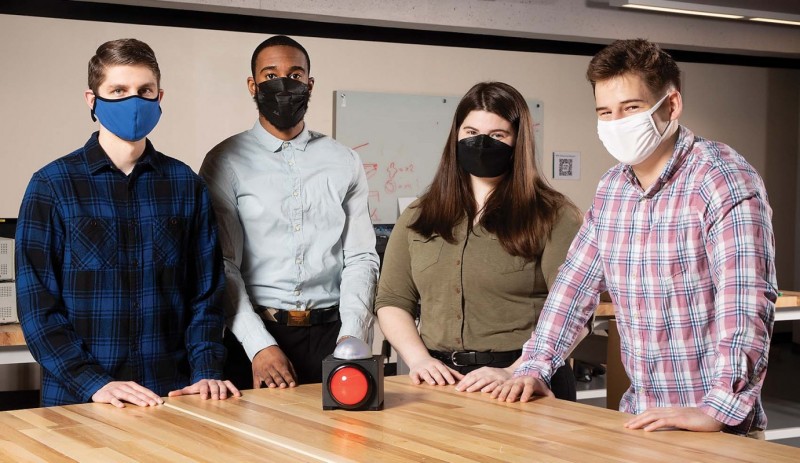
x,y
11,335
419,423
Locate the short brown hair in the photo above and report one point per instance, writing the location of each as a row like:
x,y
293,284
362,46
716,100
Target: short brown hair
x,y
121,52
638,56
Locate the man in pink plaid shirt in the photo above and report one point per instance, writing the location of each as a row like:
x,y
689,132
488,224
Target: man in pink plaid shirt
x,y
680,235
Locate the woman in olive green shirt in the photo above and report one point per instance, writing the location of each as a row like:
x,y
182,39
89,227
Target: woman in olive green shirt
x,y
478,252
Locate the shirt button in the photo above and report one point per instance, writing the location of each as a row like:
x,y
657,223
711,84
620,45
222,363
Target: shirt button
x,y
295,193
297,228
458,290
458,317
291,163
458,262
298,261
296,292
299,305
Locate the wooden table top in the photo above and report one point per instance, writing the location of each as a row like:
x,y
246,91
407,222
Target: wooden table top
x,y
786,299
435,424
11,335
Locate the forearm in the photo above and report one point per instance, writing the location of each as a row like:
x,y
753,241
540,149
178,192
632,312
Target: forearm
x,y
240,316
400,330
562,324
360,274
741,365
357,293
56,347
741,254
204,343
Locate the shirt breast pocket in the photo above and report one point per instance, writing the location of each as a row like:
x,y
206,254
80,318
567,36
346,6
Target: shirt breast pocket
x,y
169,235
94,243
681,249
425,253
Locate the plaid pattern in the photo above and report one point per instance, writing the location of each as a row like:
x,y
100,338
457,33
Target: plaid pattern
x,y
690,267
119,277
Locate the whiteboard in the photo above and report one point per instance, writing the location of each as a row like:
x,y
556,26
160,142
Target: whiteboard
x,y
400,139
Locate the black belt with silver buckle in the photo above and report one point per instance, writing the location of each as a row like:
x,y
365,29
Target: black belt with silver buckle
x,y
302,317
471,358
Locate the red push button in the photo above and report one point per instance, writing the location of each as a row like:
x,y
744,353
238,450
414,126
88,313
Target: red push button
x,y
349,386
355,384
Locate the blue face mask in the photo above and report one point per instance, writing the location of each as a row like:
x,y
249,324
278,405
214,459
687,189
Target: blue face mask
x,y
130,118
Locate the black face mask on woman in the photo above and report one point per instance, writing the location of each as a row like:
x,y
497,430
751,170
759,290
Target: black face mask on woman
x,y
484,156
282,101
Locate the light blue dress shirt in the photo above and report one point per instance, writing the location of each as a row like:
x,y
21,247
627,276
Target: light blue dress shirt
x,y
295,230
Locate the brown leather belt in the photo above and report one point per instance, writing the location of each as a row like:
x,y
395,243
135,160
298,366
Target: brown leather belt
x,y
470,358
299,317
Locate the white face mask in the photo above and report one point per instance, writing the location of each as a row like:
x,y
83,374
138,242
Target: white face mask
x,y
634,138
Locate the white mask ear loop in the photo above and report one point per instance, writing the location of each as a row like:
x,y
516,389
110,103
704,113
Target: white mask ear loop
x,y
672,125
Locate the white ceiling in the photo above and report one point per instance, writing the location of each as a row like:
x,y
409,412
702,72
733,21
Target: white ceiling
x,y
592,21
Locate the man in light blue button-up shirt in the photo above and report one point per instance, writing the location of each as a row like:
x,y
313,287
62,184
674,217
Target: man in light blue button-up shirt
x,y
299,246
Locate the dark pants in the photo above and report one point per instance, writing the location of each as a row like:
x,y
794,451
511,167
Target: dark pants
x,y
305,346
562,383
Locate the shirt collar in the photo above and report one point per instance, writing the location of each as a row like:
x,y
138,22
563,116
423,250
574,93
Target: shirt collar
x,y
683,146
274,144
98,160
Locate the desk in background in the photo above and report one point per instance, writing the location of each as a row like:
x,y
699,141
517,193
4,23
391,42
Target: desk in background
x,y
787,307
12,345
419,423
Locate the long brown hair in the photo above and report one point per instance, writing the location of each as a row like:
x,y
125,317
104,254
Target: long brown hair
x,y
522,209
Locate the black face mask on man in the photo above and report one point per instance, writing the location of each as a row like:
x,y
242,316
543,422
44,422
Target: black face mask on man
x,y
484,156
283,101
